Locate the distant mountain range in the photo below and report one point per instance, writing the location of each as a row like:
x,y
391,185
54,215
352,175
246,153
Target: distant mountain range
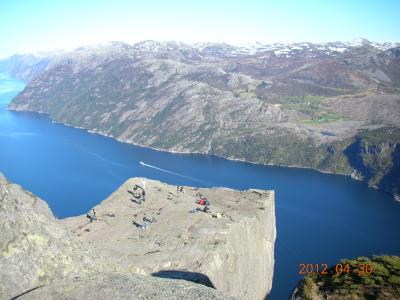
x,y
334,107
26,65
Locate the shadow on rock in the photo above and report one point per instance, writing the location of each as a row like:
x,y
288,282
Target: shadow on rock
x,y
354,155
185,275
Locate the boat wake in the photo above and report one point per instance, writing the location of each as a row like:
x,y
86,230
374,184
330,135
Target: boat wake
x,y
18,134
174,173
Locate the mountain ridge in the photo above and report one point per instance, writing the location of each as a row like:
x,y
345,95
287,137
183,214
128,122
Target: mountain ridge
x,y
305,105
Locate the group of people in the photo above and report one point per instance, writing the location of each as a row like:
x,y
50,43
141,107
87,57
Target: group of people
x,y
202,201
91,215
139,195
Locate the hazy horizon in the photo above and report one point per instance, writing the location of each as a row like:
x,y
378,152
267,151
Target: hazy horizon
x,y
46,51
32,26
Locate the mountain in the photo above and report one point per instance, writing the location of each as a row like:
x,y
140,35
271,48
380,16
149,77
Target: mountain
x,y
334,107
25,66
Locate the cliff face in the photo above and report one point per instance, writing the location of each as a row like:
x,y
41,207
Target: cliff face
x,y
25,66
231,248
34,248
39,259
374,157
287,105
249,250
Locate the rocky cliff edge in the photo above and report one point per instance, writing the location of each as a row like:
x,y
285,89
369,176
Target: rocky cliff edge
x,y
229,249
39,259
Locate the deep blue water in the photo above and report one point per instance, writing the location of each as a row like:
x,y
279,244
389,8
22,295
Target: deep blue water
x,y
320,217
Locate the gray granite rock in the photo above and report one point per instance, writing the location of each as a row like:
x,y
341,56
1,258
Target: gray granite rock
x,y
40,259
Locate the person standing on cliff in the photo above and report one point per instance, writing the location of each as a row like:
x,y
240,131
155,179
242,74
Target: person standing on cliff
x,y
143,195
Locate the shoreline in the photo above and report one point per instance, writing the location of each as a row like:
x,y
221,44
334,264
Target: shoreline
x,y
92,131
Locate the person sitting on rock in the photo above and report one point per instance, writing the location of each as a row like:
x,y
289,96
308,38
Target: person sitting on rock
x,y
89,216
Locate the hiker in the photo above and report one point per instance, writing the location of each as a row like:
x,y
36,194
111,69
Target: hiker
x,y
89,216
177,189
94,215
181,189
206,202
146,222
143,195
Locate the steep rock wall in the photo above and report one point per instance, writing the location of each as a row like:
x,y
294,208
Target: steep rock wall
x,y
244,265
233,253
34,248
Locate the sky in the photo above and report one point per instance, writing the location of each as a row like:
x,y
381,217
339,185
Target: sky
x,y
34,25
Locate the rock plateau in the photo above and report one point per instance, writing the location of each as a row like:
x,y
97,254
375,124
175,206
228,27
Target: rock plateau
x,y
231,248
